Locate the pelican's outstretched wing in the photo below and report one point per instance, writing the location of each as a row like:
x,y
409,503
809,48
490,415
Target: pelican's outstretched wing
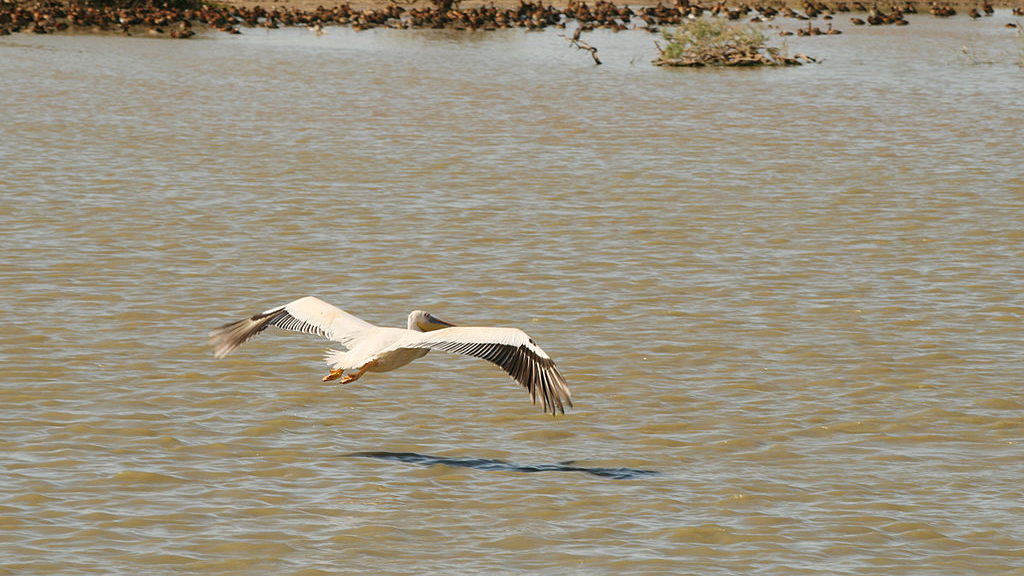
x,y
310,315
511,349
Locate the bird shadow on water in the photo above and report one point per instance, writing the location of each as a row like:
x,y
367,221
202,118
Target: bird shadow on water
x,y
491,464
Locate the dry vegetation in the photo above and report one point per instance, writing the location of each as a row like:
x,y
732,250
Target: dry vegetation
x,y
715,42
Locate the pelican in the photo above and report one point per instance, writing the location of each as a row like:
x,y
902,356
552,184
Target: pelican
x,y
370,348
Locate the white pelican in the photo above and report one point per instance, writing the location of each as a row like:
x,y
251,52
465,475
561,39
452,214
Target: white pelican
x,y
372,348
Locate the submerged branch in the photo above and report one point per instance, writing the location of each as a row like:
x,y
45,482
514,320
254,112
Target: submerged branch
x,y
581,45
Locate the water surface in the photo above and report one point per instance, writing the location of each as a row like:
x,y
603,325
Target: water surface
x,y
788,302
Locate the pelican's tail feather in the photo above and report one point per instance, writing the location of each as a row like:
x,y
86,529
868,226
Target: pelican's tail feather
x,y
336,358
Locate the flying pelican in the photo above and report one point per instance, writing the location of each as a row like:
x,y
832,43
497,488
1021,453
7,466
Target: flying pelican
x,y
370,348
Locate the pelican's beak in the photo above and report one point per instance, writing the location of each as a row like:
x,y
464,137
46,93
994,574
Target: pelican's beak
x,y
434,323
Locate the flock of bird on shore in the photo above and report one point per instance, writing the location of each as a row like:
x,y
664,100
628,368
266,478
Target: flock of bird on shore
x,y
153,20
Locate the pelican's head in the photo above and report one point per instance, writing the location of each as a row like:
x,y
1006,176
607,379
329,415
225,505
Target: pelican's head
x,y
421,321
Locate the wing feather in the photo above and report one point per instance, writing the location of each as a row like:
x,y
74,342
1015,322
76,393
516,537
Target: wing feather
x,y
510,349
310,315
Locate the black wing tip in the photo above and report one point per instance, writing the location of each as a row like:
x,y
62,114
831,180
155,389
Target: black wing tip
x,y
230,336
550,386
541,379
557,407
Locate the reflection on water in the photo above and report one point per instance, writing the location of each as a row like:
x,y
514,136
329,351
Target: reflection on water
x,y
796,295
493,464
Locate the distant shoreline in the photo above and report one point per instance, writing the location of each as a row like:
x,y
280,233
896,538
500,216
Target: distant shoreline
x,y
962,6
233,16
922,6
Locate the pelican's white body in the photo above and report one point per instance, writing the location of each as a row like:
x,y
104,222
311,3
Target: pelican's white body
x,y
384,337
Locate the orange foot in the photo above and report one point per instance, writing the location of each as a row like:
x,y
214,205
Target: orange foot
x,y
355,375
334,375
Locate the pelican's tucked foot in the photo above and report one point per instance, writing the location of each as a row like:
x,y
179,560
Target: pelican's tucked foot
x,y
334,375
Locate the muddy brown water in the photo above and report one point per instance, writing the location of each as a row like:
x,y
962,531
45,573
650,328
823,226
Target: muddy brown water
x,y
788,302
